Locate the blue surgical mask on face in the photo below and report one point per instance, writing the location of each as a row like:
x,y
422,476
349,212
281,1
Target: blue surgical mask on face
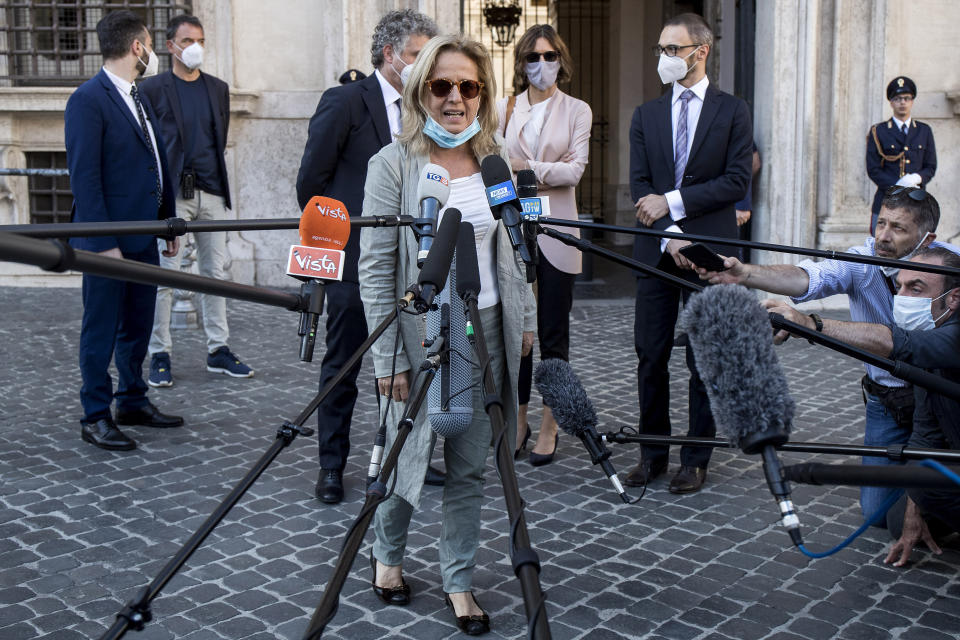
x,y
448,140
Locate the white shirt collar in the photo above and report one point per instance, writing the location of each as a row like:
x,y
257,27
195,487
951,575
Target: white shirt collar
x,y
699,89
390,95
122,85
900,124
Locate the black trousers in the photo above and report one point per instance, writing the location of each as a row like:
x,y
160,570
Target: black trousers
x,y
656,315
554,302
346,331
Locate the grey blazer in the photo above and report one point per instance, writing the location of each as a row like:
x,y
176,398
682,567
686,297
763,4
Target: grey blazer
x,y
388,265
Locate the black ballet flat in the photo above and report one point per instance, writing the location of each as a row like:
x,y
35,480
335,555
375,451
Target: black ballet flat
x,y
540,459
397,596
523,445
470,625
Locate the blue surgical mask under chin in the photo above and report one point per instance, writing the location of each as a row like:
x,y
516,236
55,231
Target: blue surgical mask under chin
x,y
448,140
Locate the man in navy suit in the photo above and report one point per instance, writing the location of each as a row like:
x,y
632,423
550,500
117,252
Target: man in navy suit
x,y
352,123
194,112
690,161
117,173
901,150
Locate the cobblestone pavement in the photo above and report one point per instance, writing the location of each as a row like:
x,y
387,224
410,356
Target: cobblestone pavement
x,y
82,530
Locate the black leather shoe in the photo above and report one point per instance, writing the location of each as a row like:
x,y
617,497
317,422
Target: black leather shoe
x,y
330,486
397,596
540,459
643,473
470,625
104,434
688,480
148,416
434,477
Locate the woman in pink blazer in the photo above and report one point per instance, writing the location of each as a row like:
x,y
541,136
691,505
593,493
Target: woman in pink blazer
x,y
548,132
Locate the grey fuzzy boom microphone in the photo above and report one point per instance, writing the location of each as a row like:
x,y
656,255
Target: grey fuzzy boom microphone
x,y
563,393
733,344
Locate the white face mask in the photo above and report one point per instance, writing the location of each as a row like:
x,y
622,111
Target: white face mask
x,y
404,73
674,68
542,74
192,56
891,272
152,65
915,314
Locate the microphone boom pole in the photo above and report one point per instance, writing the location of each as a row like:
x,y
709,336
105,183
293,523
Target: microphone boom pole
x,y
178,226
898,368
760,246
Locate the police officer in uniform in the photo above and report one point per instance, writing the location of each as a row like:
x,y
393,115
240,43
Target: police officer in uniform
x,y
901,150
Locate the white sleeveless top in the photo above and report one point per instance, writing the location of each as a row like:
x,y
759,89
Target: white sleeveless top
x,y
469,196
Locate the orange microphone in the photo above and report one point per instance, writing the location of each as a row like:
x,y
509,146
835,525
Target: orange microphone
x,y
324,231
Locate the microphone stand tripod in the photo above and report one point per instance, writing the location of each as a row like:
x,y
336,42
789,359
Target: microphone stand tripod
x,y
137,612
376,493
526,562
898,368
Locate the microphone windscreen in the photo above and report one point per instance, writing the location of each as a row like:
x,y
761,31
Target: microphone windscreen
x,y
325,224
563,393
437,264
732,343
434,183
468,268
494,170
526,183
498,184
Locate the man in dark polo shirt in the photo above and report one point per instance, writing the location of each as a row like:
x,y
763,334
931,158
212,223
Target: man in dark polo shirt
x,y
194,112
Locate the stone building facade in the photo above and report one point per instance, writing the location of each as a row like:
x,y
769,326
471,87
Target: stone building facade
x,y
815,71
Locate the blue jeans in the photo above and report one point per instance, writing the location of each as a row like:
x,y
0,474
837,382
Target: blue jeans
x,y
881,430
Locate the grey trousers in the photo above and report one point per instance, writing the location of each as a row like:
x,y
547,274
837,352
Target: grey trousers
x,y
465,457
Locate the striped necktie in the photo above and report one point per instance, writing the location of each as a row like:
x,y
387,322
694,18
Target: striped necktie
x,y
146,136
680,148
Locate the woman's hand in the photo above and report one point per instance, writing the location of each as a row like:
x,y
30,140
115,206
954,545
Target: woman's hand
x,y
401,386
527,343
518,164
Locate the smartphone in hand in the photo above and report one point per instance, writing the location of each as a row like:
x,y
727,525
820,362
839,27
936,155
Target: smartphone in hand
x,y
702,256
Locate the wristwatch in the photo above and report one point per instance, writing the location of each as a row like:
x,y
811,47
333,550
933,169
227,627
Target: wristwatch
x,y
818,323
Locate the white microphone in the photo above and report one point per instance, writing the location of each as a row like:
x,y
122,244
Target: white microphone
x,y
432,193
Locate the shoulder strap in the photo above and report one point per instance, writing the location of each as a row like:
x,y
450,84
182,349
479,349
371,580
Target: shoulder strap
x,y
511,103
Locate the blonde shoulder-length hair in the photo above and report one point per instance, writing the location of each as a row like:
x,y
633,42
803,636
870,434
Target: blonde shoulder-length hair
x,y
416,92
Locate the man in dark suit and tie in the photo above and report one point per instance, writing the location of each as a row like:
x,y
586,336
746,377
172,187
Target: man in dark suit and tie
x,y
690,161
351,124
901,150
117,173
194,111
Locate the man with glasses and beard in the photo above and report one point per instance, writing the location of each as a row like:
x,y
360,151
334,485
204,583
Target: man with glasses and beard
x,y
907,222
352,123
900,151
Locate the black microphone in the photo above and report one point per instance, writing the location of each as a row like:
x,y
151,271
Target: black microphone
x,y
527,188
432,193
731,339
433,275
468,267
502,198
563,393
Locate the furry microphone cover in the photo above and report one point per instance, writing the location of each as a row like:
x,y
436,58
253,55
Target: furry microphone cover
x,y
732,341
563,393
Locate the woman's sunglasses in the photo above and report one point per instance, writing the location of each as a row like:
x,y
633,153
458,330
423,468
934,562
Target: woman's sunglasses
x,y
549,56
441,88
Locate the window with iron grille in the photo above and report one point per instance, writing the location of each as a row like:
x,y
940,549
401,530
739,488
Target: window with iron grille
x,y
55,43
50,197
